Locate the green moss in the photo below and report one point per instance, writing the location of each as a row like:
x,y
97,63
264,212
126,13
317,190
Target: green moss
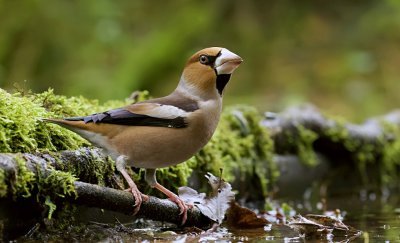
x,y
24,179
337,132
383,152
21,129
364,155
304,145
55,184
46,187
299,140
3,184
390,153
88,165
52,207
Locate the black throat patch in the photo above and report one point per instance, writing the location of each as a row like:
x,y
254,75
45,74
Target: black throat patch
x,y
222,80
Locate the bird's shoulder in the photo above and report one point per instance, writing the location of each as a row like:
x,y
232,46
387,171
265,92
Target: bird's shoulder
x,y
182,102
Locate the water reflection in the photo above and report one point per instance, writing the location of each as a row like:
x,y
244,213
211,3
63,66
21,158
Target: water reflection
x,y
378,218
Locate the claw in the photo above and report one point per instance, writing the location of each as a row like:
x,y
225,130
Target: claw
x,y
151,179
139,198
174,198
137,195
183,207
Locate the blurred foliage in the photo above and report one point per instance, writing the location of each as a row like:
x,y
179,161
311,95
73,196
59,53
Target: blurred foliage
x,y
341,55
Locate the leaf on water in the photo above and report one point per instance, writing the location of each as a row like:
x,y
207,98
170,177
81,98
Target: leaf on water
x,y
216,204
328,221
240,217
308,228
317,226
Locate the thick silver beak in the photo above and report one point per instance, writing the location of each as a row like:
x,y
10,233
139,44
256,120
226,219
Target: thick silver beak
x,y
227,62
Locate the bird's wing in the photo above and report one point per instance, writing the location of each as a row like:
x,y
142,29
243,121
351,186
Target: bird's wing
x,y
140,114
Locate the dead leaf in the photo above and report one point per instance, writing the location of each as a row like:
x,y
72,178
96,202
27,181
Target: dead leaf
x,y
240,217
191,196
313,225
214,206
308,228
329,221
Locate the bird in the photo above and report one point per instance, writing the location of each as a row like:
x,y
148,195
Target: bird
x,y
164,131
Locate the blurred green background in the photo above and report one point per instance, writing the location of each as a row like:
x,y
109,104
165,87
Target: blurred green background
x,y
343,55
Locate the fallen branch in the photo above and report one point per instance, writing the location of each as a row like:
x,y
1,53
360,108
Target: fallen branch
x,y
94,195
333,138
121,201
295,178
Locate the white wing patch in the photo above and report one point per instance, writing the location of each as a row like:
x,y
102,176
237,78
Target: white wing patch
x,y
165,111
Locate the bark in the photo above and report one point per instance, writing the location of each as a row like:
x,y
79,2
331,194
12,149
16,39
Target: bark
x,y
122,201
103,197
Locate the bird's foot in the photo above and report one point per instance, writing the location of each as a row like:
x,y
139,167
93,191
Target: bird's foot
x,y
150,178
139,198
182,206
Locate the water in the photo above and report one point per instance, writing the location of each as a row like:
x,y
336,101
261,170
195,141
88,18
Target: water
x,y
378,218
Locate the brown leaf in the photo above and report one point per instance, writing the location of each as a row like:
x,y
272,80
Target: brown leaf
x,y
308,228
314,226
240,217
329,221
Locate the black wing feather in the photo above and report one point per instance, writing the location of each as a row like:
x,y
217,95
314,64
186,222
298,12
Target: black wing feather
x,y
124,117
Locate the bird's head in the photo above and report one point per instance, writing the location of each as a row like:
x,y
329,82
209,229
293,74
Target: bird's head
x,y
208,71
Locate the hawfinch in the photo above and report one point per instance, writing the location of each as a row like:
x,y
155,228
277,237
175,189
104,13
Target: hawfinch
x,y
164,131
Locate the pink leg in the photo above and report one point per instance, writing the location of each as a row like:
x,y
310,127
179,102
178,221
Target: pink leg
x,y
137,195
151,180
173,197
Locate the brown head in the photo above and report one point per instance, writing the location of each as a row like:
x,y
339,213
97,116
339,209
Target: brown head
x,y
208,71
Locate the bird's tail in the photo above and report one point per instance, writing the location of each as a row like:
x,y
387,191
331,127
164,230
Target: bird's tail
x,y
90,131
62,121
72,123
52,120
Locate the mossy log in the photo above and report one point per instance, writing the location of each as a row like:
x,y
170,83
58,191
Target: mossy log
x,y
41,167
305,129
121,201
366,156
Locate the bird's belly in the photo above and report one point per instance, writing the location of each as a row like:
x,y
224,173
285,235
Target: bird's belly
x,y
157,147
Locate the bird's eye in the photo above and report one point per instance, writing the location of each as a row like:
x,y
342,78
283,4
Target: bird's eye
x,y
204,59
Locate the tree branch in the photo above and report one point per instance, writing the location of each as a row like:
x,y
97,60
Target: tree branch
x,y
122,201
98,196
